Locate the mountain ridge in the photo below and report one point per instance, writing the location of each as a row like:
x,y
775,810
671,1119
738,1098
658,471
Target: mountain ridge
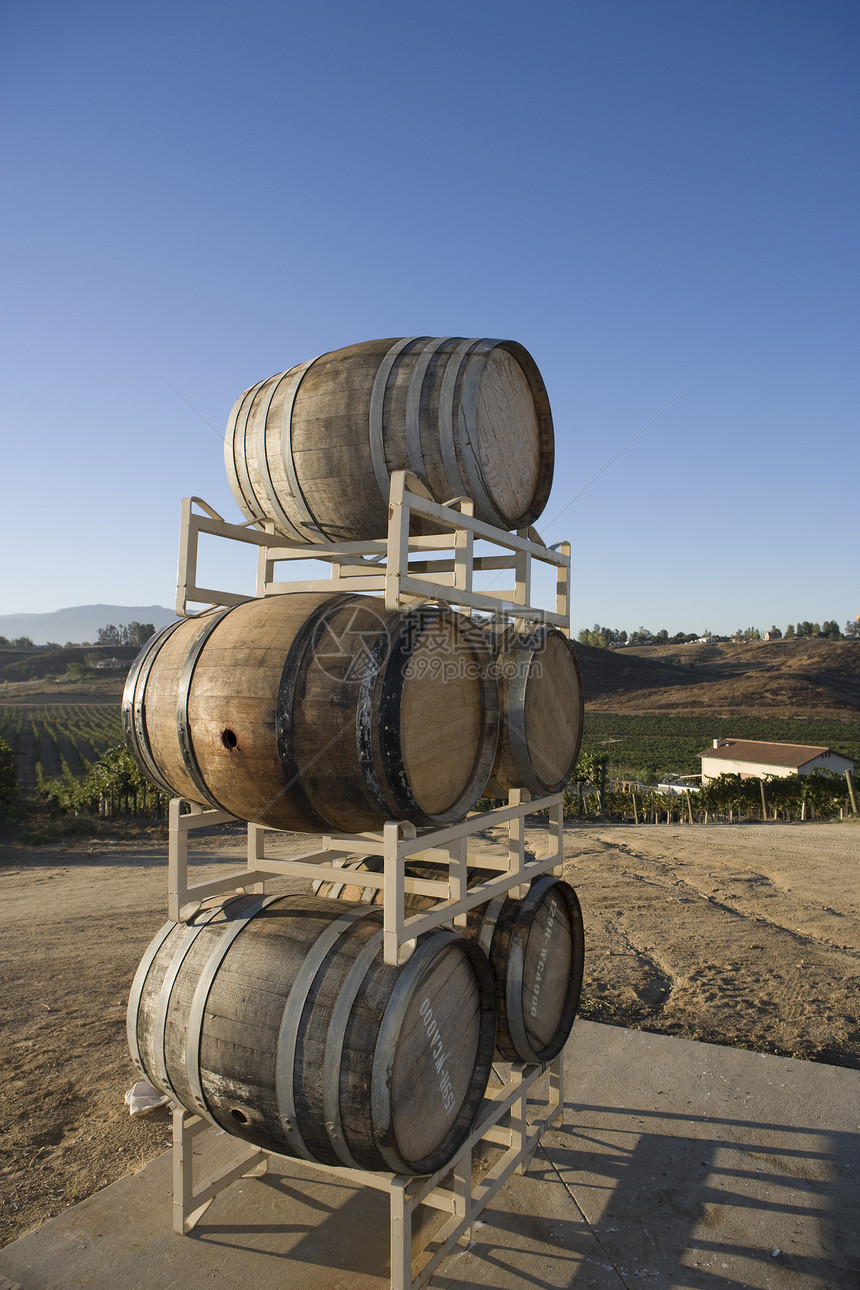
x,y
80,623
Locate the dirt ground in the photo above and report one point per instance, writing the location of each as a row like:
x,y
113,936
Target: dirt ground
x,y
747,935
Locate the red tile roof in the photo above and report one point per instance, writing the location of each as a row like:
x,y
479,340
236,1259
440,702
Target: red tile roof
x,y
765,754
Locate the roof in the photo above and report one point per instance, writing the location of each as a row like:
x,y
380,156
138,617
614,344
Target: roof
x,y
766,754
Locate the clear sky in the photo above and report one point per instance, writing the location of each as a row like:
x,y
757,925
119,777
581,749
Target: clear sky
x,y
645,193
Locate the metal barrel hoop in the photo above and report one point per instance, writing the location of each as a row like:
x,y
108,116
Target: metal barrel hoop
x,y
238,475
189,936
197,1009
376,415
288,1032
134,707
473,370
183,729
333,1057
309,528
457,359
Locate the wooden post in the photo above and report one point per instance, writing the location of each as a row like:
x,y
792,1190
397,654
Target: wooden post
x,y
635,809
763,801
689,806
849,780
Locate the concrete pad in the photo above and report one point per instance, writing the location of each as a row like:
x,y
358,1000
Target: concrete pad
x,y
679,1164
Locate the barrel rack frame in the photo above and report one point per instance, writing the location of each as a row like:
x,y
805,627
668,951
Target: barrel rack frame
x,y
383,566
522,1100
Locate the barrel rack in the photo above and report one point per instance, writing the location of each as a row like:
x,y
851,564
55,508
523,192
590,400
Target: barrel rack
x,y
522,1100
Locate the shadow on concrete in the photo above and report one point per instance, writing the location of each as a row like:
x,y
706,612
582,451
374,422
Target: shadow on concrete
x,y
708,1194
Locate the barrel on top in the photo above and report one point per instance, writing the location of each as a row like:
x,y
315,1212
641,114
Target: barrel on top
x,y
277,1018
313,448
310,712
540,694
535,945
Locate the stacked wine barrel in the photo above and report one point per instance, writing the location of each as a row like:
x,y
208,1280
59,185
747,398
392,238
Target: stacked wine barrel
x,y
277,1017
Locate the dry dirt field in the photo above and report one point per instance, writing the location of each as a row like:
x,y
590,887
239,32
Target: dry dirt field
x,y
746,935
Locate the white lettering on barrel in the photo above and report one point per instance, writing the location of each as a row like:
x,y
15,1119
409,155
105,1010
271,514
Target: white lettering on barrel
x,y
437,1055
541,963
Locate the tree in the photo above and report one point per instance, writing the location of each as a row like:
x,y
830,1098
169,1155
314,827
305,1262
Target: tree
x,y
138,634
597,636
775,634
134,633
789,632
831,631
852,629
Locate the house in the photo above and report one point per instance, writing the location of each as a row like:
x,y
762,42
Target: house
x,y
749,758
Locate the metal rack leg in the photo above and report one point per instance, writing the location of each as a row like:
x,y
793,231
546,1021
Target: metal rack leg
x,y
401,1207
190,1202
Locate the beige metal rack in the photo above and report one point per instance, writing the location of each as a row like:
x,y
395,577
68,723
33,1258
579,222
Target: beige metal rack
x,y
517,1110
396,566
522,1100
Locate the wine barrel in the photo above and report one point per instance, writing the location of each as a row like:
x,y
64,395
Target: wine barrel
x,y
314,712
277,1019
313,448
540,695
536,948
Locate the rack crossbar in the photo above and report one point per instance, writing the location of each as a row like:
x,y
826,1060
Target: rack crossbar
x,y
448,846
384,566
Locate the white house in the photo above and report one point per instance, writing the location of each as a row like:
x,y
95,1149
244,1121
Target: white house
x,y
752,759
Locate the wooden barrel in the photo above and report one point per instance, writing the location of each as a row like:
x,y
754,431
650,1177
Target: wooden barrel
x,y
315,712
313,448
536,948
540,695
277,1019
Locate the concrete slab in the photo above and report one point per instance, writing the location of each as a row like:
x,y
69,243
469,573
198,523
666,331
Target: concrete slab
x,y
679,1164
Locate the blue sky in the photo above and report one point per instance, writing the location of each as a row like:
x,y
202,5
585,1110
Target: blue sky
x,y
643,194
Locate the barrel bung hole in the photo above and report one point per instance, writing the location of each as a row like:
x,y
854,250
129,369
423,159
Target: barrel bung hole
x,y
239,1116
229,740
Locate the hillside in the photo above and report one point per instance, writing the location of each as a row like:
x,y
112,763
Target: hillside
x,y
55,670
80,622
806,678
778,678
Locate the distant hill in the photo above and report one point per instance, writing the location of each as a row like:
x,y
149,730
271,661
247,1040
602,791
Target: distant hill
x,y
797,678
81,622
